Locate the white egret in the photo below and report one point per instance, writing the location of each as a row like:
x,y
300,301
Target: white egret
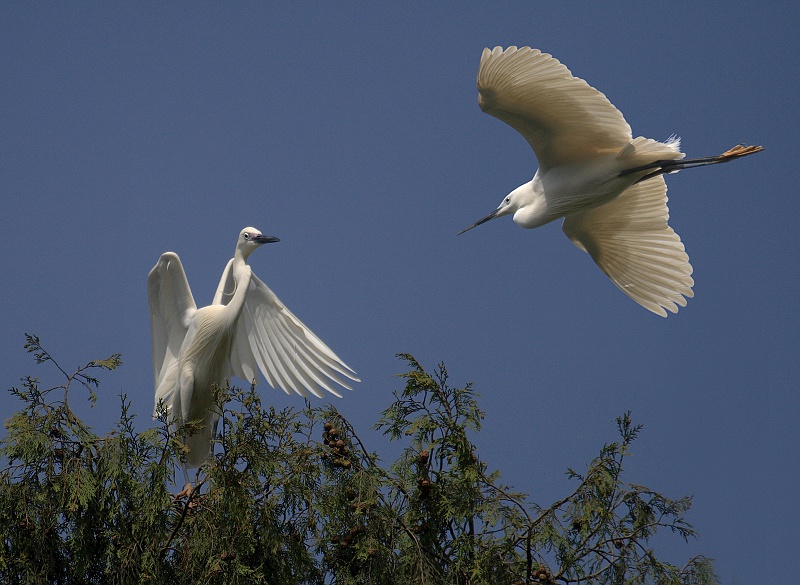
x,y
245,329
606,185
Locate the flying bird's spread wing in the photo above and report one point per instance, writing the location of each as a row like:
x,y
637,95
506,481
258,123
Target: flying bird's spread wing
x,y
630,241
562,117
269,337
171,308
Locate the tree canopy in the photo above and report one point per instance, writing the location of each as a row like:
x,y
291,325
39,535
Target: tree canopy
x,y
295,496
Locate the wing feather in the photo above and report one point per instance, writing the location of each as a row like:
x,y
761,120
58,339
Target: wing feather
x,y
317,352
630,240
171,308
288,353
562,117
283,362
309,363
243,362
263,360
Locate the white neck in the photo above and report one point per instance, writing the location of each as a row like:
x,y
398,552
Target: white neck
x,y
531,210
241,274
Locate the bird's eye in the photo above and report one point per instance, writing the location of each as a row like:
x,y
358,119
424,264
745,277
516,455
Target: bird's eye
x,y
246,236
508,199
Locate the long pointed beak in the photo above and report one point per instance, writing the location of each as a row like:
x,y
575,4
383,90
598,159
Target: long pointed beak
x,y
265,239
492,215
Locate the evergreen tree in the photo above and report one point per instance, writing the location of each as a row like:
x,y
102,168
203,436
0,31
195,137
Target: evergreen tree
x,y
294,496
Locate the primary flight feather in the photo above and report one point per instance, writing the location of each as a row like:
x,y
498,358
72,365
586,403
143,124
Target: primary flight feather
x,y
608,186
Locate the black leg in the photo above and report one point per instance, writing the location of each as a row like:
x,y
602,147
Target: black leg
x,y
672,166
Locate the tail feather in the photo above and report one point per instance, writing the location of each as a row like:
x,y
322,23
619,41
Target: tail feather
x,y
642,151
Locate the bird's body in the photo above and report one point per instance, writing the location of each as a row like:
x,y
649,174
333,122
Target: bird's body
x,y
608,186
202,365
244,330
573,187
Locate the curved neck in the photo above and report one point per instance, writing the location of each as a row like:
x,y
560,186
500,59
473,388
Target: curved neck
x,y
241,274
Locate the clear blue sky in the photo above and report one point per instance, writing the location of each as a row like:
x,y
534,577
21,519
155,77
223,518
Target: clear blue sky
x,y
353,134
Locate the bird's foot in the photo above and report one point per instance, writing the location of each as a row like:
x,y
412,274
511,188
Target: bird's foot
x,y
741,150
186,492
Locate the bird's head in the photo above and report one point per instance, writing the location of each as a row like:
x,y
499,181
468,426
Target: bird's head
x,y
511,203
250,239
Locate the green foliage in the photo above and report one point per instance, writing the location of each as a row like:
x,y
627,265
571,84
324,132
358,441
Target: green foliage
x,y
294,496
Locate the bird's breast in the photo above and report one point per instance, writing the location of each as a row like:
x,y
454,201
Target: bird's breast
x,y
208,344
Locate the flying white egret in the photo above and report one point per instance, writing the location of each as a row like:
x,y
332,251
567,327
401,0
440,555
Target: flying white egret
x,y
245,329
607,185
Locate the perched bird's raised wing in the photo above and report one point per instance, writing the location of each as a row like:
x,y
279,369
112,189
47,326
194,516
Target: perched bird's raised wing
x,y
630,241
269,337
171,308
562,117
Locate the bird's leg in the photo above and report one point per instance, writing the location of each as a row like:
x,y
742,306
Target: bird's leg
x,y
213,436
671,166
190,493
187,489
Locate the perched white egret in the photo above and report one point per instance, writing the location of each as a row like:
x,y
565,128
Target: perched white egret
x,y
245,329
606,185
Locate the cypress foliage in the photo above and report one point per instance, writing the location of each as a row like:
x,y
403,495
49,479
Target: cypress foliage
x,y
294,496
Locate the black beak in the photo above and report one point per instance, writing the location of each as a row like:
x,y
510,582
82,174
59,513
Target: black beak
x,y
265,239
492,215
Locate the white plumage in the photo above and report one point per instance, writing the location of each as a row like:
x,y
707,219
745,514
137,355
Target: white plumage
x,y
608,186
245,329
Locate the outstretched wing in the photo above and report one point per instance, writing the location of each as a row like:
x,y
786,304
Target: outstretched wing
x,y
270,338
631,242
171,308
562,117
